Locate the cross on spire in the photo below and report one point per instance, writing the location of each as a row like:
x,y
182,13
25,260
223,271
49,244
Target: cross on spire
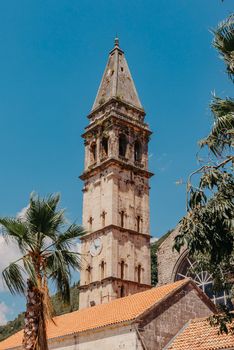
x,y
116,41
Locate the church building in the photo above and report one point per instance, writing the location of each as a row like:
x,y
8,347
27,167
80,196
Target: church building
x,y
119,309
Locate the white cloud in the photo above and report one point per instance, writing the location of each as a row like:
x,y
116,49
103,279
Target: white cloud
x,y
9,252
21,215
4,310
153,240
78,247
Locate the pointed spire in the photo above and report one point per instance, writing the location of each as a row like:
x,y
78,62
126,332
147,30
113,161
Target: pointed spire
x,y
117,81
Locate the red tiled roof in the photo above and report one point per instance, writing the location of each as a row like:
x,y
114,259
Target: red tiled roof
x,y
199,335
117,311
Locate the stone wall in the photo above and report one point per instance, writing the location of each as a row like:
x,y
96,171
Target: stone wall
x,y
168,259
164,322
114,191
117,338
119,245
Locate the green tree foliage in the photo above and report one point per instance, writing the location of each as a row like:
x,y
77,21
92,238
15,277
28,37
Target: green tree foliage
x,y
208,227
49,252
12,327
154,267
59,308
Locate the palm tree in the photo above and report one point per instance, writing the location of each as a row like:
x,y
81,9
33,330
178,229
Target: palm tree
x,y
48,253
222,133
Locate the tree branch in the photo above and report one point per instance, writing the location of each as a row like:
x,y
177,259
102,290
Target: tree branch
x,y
204,167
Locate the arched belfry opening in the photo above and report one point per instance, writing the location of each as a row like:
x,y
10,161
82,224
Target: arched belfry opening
x,y
137,151
123,145
104,146
93,152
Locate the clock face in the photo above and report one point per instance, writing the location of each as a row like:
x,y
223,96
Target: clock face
x,y
95,247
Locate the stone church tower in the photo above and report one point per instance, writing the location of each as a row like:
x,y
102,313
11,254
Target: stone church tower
x,y
116,249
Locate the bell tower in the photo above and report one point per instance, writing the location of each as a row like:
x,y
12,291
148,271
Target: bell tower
x,y
116,249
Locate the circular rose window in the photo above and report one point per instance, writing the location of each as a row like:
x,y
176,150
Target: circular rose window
x,y
203,279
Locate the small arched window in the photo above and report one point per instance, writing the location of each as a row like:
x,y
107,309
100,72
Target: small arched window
x,y
122,145
93,152
102,266
103,216
122,292
122,270
137,151
88,274
122,218
90,221
139,273
104,145
138,223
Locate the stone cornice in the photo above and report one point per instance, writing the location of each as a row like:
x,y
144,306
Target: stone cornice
x,y
114,227
114,100
115,161
111,279
115,114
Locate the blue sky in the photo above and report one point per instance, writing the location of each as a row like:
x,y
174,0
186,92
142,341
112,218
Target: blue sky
x,y
53,54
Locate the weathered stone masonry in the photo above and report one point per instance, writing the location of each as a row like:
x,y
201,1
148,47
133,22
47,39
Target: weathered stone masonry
x,y
116,190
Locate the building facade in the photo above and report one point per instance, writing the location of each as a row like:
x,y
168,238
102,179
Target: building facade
x,y
174,266
116,249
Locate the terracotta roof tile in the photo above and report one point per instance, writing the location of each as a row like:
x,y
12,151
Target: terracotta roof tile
x,y
199,335
117,311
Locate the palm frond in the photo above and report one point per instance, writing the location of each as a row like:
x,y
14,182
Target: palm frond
x,y
222,133
221,107
30,270
224,42
59,271
69,237
43,218
17,230
73,259
12,276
